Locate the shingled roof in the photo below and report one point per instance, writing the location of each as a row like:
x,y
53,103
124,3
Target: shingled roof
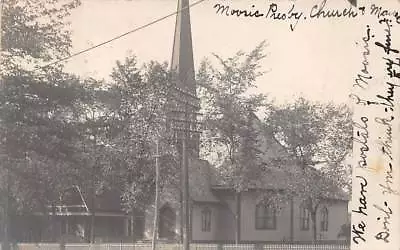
x,y
201,176
277,177
204,180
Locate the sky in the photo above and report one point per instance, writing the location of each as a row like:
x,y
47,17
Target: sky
x,y
317,60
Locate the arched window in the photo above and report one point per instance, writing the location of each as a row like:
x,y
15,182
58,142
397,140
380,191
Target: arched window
x,y
265,217
206,220
304,218
324,219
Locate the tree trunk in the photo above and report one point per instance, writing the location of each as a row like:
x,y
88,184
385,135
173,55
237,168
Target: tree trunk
x,y
132,224
53,222
5,243
237,217
291,220
93,218
314,224
6,217
155,222
93,197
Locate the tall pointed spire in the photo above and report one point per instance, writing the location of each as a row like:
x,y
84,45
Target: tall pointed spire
x,y
182,51
183,65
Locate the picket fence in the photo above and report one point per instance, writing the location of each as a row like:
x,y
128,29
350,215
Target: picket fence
x,y
124,246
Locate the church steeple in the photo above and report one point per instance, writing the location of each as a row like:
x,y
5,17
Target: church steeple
x,y
182,51
185,97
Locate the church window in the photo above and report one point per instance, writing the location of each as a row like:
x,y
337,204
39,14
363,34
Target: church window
x,y
206,220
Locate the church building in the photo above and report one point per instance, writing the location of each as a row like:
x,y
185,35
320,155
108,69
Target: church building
x,y
212,206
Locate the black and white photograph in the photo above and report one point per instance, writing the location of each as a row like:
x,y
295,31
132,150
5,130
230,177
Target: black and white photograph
x,y
199,124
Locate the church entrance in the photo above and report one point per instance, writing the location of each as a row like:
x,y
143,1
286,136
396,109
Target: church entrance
x,y
167,224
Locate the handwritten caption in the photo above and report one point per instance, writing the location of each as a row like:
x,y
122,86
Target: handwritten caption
x,y
294,16
384,85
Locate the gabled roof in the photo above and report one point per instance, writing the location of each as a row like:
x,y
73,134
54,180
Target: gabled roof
x,y
278,179
277,176
274,179
201,176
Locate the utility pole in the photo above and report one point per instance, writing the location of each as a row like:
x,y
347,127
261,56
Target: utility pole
x,y
185,187
6,243
185,107
6,240
93,191
155,222
186,103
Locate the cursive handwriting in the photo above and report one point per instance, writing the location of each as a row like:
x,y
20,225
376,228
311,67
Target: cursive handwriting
x,y
228,11
362,138
384,235
388,43
364,76
386,142
272,13
319,10
387,188
358,232
363,199
390,67
388,99
360,101
379,12
382,100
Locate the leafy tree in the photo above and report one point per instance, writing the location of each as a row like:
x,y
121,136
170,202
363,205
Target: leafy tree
x,y
37,138
228,118
138,101
34,32
34,136
316,139
92,118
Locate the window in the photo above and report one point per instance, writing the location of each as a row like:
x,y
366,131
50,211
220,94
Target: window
x,y
324,219
304,218
265,217
206,220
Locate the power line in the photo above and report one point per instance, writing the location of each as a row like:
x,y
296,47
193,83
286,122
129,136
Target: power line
x,y
120,36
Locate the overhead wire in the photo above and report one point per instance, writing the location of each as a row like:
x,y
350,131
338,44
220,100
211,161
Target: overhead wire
x,y
120,36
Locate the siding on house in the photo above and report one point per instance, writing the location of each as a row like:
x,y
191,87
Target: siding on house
x,y
337,216
248,222
223,223
111,222
197,233
300,234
